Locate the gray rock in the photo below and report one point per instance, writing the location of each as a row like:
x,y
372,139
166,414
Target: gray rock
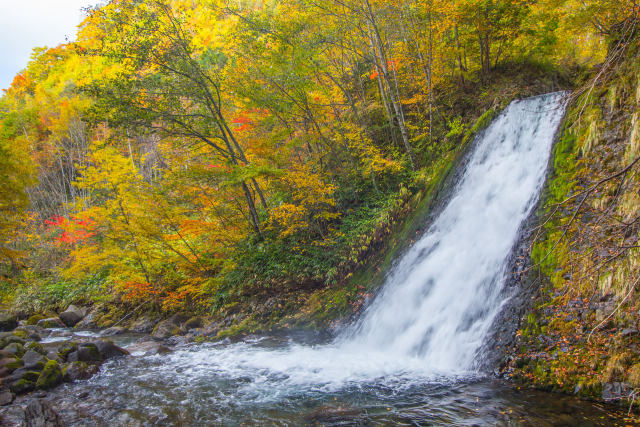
x,y
6,398
79,371
165,329
14,348
143,326
114,330
629,332
33,360
52,322
88,352
615,391
39,413
88,322
109,350
71,316
158,349
8,321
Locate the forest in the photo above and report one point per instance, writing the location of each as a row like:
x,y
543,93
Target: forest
x,y
181,155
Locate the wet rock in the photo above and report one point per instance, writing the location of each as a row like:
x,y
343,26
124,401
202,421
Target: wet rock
x,y
33,360
50,376
158,349
39,413
53,355
8,321
88,322
15,349
37,347
87,352
11,363
166,329
143,326
615,391
107,349
176,340
71,316
22,386
52,322
33,320
114,330
10,338
76,371
6,397
67,349
193,323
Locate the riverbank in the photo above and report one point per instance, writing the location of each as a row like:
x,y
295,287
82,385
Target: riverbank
x,y
581,334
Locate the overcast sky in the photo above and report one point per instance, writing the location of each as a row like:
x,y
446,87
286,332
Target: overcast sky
x,y
25,24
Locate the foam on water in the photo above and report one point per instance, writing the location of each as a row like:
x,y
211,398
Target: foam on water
x,y
437,304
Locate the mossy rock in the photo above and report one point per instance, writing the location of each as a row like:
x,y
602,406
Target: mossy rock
x,y
12,366
31,376
37,347
15,348
192,323
11,339
88,352
64,351
22,386
20,333
33,320
78,371
50,376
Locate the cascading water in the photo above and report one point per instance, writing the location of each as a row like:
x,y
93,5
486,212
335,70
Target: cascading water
x,y
423,329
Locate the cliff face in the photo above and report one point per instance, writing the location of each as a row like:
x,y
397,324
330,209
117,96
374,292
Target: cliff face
x,y
582,334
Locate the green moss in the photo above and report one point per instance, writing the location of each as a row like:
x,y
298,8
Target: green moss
x,y
66,349
20,334
37,347
22,386
50,376
33,320
12,366
31,376
482,122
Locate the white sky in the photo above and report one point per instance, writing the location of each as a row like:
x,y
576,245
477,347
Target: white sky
x,y
25,24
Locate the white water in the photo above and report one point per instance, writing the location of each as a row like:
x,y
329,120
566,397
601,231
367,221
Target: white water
x,y
438,301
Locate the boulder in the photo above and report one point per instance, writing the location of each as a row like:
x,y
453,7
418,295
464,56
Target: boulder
x,y
22,386
143,325
87,352
88,322
51,322
33,320
6,397
193,323
78,371
158,349
109,350
11,363
8,321
165,329
53,355
39,413
114,330
33,360
38,348
50,376
71,316
15,348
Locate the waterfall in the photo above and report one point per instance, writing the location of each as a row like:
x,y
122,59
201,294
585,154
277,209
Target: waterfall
x,y
440,299
432,313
